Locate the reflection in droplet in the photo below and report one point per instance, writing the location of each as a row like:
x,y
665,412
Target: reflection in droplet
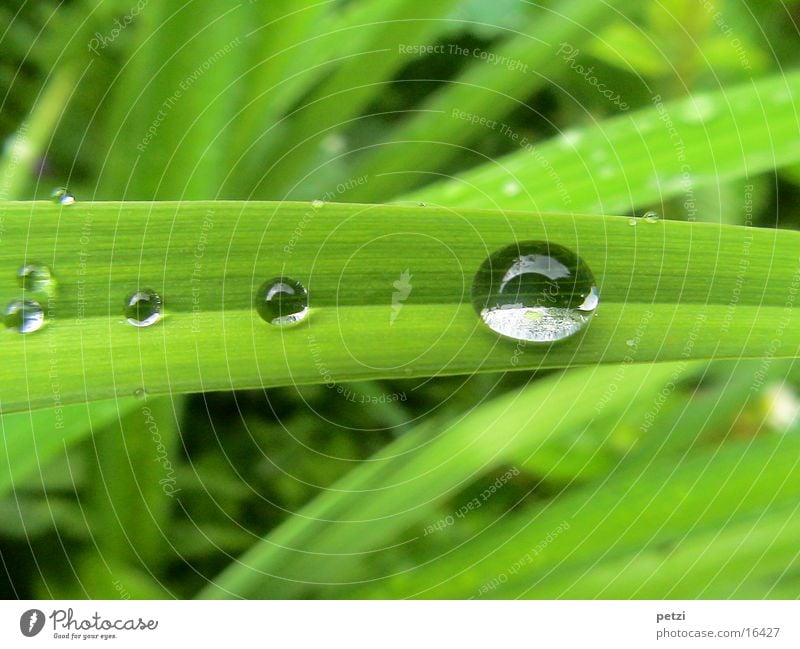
x,y
62,196
143,308
24,316
36,278
282,301
535,291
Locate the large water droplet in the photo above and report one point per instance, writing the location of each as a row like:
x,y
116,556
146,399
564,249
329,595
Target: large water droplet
x,y
24,316
651,217
282,301
535,291
143,308
62,196
36,278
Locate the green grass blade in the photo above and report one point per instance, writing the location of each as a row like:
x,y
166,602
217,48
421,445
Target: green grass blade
x,y
207,260
526,62
669,149
30,439
352,86
634,511
405,488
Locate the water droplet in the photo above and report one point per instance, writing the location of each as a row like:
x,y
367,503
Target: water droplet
x,y
699,109
571,137
36,278
334,143
536,291
62,197
630,343
651,217
24,316
140,393
143,308
512,188
633,220
421,204
282,301
316,204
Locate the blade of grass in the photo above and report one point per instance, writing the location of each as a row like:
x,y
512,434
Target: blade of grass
x,y
391,499
353,85
30,439
633,511
349,256
644,157
428,140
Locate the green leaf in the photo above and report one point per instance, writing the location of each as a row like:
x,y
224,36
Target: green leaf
x,y
638,159
349,256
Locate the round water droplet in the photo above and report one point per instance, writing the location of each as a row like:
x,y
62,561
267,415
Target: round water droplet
x,y
316,204
512,188
282,301
633,220
571,137
143,308
535,291
24,316
699,109
651,217
421,204
36,278
62,196
140,393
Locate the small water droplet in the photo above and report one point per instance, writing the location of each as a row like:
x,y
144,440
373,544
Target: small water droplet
x,y
633,220
571,137
334,143
143,308
140,393
421,204
62,197
651,217
282,301
512,188
24,316
699,109
535,291
36,278
317,203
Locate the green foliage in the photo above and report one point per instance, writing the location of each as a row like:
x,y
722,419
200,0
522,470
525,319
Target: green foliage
x,y
372,451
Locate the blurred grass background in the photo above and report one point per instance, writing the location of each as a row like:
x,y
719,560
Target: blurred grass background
x,y
681,481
